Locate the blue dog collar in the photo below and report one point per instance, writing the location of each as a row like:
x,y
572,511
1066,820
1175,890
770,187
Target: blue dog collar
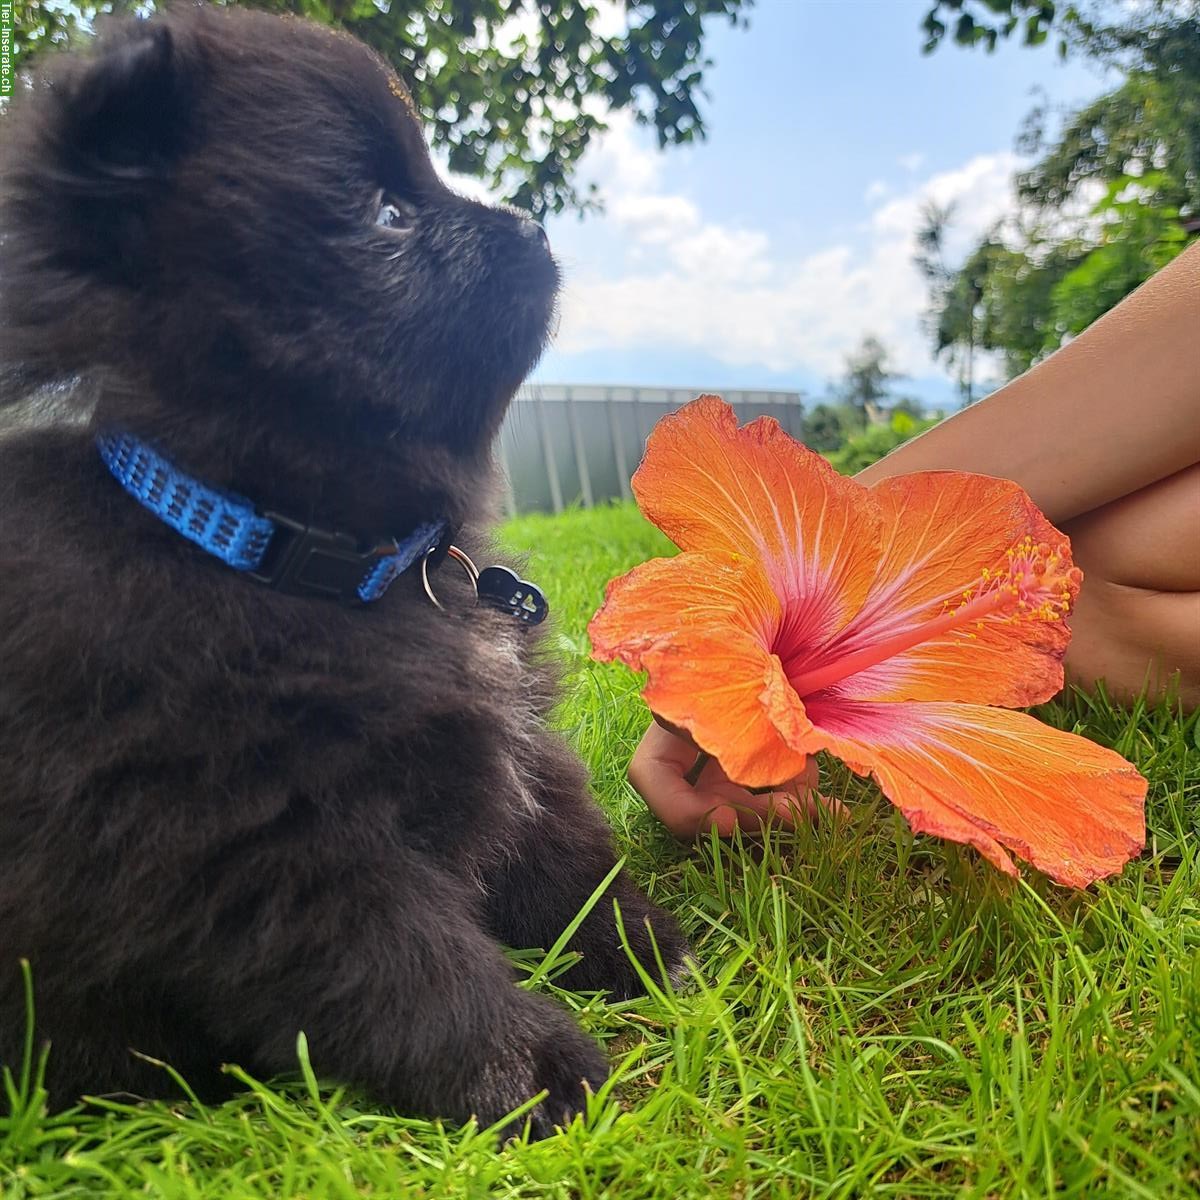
x,y
271,548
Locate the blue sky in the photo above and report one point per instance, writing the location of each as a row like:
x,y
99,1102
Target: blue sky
x,y
760,257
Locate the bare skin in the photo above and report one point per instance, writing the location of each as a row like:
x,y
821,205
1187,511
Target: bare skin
x,y
658,769
1105,437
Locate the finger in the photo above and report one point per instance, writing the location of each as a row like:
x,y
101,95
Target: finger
x,y
660,743
723,819
789,805
675,731
787,808
657,771
776,808
660,782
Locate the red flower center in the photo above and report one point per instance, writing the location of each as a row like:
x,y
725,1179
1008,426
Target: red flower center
x,y
1031,585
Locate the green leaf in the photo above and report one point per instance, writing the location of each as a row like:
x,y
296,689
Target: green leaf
x,y
512,112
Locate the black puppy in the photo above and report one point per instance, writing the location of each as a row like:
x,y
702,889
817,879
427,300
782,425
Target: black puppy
x,y
231,812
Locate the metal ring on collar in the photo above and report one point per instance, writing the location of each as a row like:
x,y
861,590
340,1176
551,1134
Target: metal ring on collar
x,y
463,559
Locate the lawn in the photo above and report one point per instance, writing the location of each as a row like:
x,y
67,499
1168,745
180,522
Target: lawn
x,y
870,1013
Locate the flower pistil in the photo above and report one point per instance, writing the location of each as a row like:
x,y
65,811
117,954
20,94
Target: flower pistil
x,y
1035,582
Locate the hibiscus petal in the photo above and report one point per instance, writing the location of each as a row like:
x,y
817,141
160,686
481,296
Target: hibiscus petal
x,y
994,778
940,530
701,626
710,486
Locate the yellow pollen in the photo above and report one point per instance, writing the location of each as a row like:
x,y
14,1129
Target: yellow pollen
x,y
1035,583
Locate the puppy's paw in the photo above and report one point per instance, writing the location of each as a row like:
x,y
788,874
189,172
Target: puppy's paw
x,y
652,934
544,1052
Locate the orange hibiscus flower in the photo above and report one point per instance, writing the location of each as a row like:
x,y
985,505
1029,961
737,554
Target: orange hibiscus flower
x,y
807,612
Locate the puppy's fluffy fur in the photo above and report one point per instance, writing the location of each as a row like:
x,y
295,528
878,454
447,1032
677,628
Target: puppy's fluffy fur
x,y
229,814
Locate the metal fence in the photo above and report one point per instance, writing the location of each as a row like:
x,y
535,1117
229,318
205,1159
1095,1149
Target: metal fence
x,y
563,444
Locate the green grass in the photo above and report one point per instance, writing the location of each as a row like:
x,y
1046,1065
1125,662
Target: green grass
x,y
871,1013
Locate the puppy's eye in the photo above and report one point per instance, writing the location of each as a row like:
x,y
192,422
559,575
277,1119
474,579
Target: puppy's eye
x,y
395,213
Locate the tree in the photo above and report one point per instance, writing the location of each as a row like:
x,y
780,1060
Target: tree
x,y
987,22
1108,202
871,444
513,90
1148,129
1016,308
954,295
1112,30
1135,238
823,428
865,385
998,298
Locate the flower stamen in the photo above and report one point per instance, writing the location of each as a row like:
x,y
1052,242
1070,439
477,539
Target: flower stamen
x,y
1037,583
1034,582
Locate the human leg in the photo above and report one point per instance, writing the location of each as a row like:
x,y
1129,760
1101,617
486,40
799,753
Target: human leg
x,y
1105,437
1137,621
1112,412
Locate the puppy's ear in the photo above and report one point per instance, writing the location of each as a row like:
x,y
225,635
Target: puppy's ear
x,y
125,114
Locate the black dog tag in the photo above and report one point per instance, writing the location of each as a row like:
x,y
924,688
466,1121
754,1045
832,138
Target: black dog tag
x,y
500,588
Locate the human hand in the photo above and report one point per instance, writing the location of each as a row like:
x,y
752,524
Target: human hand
x,y
658,771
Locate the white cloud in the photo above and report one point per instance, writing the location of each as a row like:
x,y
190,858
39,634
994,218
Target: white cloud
x,y
624,168
663,275
716,254
979,193
654,219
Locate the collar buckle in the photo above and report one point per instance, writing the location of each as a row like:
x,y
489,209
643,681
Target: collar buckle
x,y
305,560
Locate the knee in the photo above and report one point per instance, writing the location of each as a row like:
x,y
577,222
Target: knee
x,y
1137,640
